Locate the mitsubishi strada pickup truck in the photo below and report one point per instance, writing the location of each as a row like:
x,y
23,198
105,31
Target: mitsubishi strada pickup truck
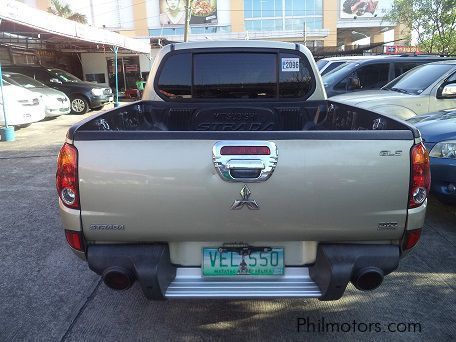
x,y
235,177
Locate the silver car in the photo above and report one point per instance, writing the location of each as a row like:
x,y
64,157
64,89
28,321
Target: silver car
x,y
427,88
56,102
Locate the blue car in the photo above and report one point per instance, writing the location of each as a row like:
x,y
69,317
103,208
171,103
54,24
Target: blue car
x,y
439,133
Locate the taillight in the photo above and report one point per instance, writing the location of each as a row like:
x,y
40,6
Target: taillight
x,y
420,180
410,239
245,150
67,176
74,239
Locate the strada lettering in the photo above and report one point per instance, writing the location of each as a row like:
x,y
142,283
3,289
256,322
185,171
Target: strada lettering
x,y
233,126
235,116
107,227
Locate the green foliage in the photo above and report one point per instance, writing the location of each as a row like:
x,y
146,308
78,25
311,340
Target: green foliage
x,y
434,21
57,8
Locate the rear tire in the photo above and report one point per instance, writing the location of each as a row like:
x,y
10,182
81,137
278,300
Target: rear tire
x,y
79,105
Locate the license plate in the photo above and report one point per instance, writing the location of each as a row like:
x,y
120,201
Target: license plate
x,y
111,98
228,263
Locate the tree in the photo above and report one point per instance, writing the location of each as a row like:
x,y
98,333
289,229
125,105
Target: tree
x,y
434,22
57,8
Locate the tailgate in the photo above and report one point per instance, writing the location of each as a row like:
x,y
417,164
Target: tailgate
x,y
169,190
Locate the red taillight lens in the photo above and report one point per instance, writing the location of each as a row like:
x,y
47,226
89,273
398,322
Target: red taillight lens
x,y
410,239
420,182
67,176
74,239
245,150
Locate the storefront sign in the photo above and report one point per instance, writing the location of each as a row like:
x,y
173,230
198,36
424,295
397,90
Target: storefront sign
x,y
364,8
400,49
172,12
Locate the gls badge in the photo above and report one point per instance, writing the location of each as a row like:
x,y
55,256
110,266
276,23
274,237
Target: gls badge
x,y
245,200
391,153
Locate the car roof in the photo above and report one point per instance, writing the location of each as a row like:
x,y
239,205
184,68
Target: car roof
x,y
390,58
450,61
14,66
13,73
348,58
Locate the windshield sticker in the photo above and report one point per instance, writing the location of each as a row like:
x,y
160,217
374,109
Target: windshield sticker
x,y
290,64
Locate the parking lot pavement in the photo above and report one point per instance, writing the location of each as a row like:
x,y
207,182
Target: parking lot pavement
x,y
47,293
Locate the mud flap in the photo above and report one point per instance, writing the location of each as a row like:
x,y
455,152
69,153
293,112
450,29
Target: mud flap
x,y
150,264
337,263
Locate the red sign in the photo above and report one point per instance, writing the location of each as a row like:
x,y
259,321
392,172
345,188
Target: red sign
x,y
131,68
400,50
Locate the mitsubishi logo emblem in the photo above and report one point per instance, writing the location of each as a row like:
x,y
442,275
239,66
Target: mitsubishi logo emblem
x,y
245,200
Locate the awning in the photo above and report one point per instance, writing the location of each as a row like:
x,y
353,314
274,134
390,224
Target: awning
x,y
24,21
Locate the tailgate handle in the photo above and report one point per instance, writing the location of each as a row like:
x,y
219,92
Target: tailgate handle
x,y
245,164
245,161
245,168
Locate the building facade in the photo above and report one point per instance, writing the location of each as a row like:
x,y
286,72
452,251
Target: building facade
x,y
317,23
328,23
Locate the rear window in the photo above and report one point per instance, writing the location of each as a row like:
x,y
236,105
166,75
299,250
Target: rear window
x,y
175,79
235,75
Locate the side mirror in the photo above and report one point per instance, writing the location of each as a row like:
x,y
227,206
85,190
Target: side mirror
x,y
55,80
447,92
353,83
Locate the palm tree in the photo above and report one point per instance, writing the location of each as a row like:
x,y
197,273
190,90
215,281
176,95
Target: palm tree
x,y
57,8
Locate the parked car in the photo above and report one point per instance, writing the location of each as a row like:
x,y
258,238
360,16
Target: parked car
x,y
326,65
22,107
372,73
439,134
241,181
425,89
56,103
83,95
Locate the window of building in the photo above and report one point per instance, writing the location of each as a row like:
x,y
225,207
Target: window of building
x,y
278,15
171,31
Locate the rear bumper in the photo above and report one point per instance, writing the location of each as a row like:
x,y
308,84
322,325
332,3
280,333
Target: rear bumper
x,y
336,265
189,283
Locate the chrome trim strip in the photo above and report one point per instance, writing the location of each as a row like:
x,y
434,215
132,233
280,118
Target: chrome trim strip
x,y
190,284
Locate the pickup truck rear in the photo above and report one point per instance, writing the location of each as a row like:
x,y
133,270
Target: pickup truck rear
x,y
246,197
